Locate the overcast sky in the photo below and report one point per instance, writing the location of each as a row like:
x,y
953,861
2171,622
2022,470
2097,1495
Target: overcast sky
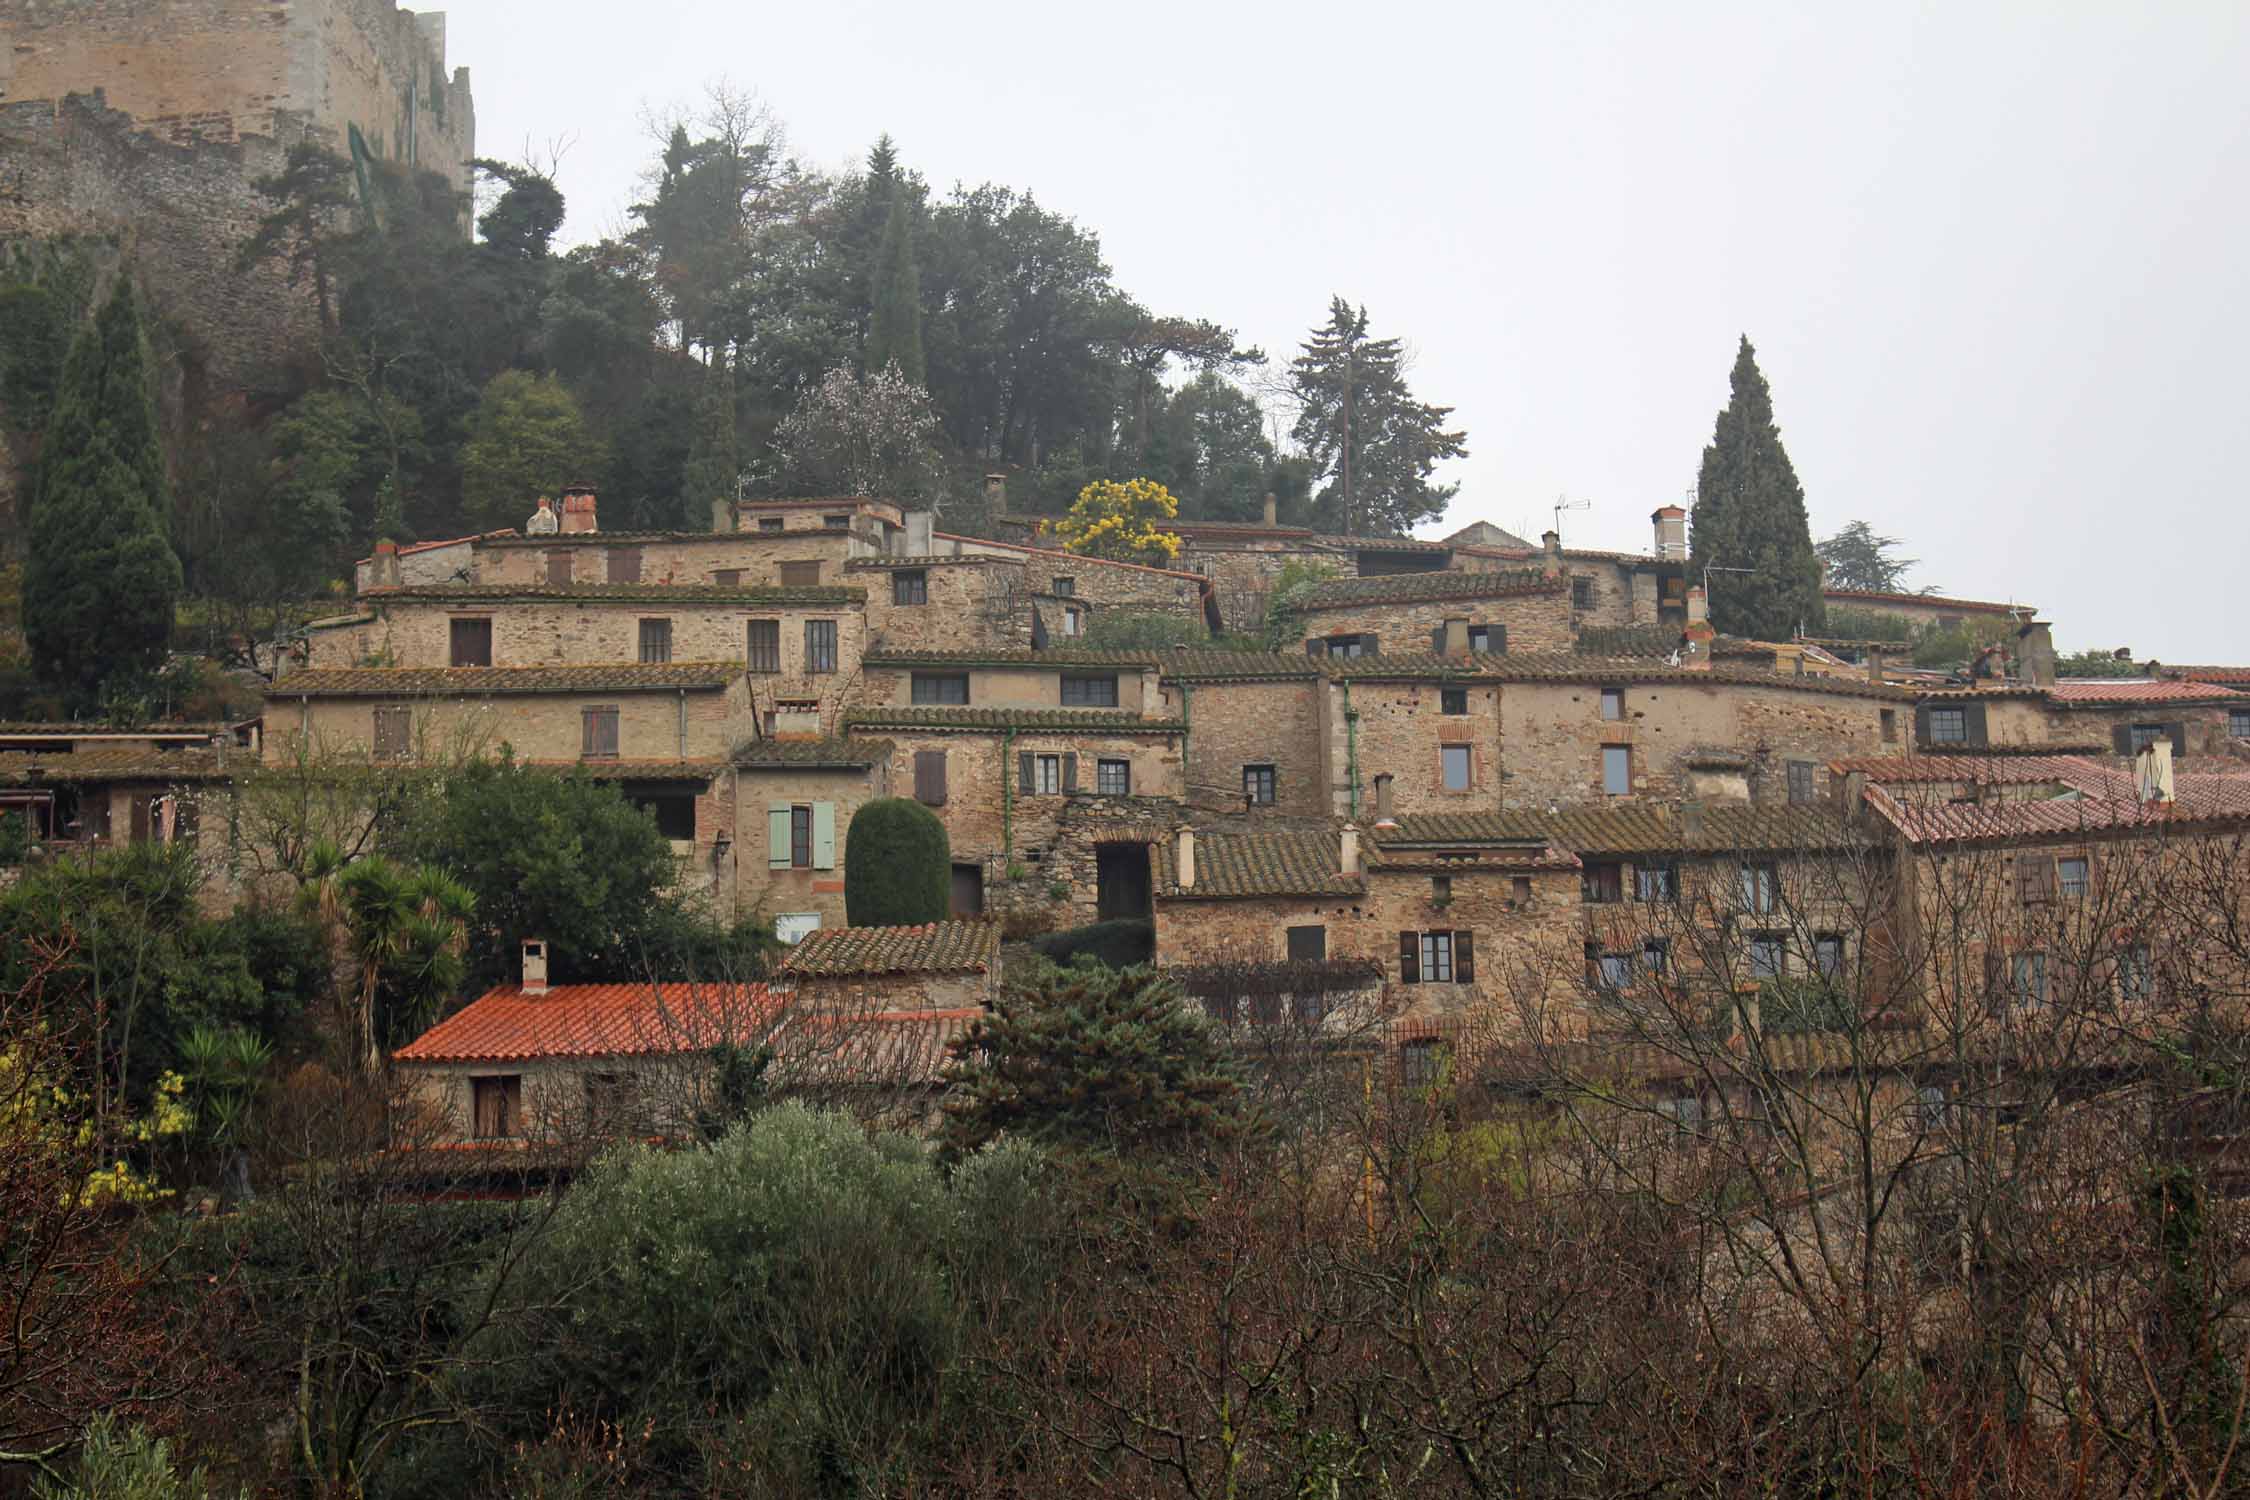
x,y
1993,258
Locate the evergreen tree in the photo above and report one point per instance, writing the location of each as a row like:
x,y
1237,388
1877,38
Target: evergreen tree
x,y
1856,558
898,865
713,461
894,334
101,576
1750,514
1372,444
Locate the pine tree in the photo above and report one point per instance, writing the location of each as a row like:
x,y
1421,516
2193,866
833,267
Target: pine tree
x,y
713,463
1750,514
101,578
1370,441
894,334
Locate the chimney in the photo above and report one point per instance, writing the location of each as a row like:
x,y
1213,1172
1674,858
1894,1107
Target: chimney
x,y
996,493
384,575
1273,510
2035,653
722,515
1874,664
919,526
542,522
1348,859
1698,607
1696,639
1691,820
1183,861
1671,533
1457,637
2152,770
534,966
1383,815
578,508
1552,541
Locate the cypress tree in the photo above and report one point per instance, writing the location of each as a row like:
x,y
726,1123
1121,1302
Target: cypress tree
x,y
1750,514
895,333
898,865
712,461
101,579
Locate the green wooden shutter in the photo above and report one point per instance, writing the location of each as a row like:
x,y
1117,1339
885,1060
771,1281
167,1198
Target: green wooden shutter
x,y
824,835
1070,773
777,835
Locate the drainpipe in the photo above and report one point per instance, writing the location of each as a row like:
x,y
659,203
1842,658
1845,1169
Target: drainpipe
x,y
683,725
1186,723
1351,747
1007,792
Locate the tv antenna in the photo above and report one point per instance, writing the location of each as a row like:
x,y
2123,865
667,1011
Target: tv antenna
x,y
1563,503
1708,570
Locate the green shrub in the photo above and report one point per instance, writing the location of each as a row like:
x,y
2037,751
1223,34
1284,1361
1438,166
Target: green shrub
x,y
898,865
1801,1004
1116,944
125,1463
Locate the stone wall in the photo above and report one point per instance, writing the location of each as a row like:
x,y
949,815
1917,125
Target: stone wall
x,y
987,819
1027,686
1402,730
973,602
542,632
539,726
691,558
1102,584
1535,622
1236,724
771,892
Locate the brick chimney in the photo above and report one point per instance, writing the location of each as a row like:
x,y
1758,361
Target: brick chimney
x,y
2152,771
1696,639
384,574
1347,861
578,508
1552,541
1383,815
1273,510
534,966
1183,859
2035,653
1671,533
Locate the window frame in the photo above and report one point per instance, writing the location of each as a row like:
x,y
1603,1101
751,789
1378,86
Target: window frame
x,y
1294,938
1767,955
1480,639
1656,881
2238,723
2139,737
453,640
1046,774
1829,956
934,689
1077,690
591,718
1615,756
761,657
1758,884
1437,955
910,587
2028,964
1065,587
800,835
1581,591
1957,716
1601,882
1453,702
1804,783
660,640
1109,769
1463,756
2067,887
509,1087
1613,705
822,641
1261,783
1346,647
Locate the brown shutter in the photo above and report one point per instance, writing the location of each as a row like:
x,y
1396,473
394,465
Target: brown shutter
x,y
624,565
1410,958
558,566
1973,718
1370,645
726,578
2178,734
1464,957
1024,773
1496,639
929,777
1070,773
2121,739
609,731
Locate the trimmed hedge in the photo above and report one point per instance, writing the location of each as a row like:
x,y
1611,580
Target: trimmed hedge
x,y
898,865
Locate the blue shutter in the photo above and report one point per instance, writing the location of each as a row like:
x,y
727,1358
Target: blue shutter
x,y
824,835
777,835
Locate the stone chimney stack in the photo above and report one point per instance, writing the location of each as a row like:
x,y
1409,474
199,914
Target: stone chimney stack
x,y
1671,533
1383,815
1874,664
578,508
2152,769
1697,638
1273,510
534,966
1552,541
722,515
1457,637
996,493
1348,857
1183,860
1691,820
2035,653
384,575
918,539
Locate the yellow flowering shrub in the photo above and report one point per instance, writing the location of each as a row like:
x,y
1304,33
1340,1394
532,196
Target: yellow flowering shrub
x,y
36,1108
1122,522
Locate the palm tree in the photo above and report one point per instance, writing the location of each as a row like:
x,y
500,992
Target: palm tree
x,y
399,935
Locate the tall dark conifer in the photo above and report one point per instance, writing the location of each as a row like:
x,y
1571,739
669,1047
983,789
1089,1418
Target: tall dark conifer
x,y
713,461
101,579
894,333
1372,444
1750,514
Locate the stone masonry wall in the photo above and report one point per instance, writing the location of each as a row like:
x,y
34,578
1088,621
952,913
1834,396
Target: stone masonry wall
x,y
538,632
538,726
691,559
1236,724
1402,730
768,891
1014,687
981,792
1535,622
979,602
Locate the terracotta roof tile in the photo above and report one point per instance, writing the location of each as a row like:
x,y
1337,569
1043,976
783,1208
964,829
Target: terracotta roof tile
x,y
1628,828
633,770
1073,558
471,682
1929,601
2207,800
1610,671
2014,770
50,767
933,948
1408,588
620,593
846,754
1191,664
1010,656
2076,692
1259,862
1075,720
2226,675
594,1020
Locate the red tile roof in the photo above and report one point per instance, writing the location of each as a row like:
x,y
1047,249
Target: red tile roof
x,y
413,682
932,948
2071,692
2201,800
594,1020
1920,770
2237,675
1928,601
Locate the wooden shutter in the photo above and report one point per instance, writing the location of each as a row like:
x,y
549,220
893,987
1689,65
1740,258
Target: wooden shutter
x,y
1437,641
2121,739
1370,646
1464,957
1316,648
1410,958
2178,735
624,565
824,835
777,835
1070,773
558,566
187,820
1025,773
929,777
142,819
1972,718
1496,639
726,578
1921,723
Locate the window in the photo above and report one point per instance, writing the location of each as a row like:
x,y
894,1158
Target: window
x,y
1582,593
1766,955
1656,957
495,1104
559,566
656,641
1113,778
800,575
394,733
1090,692
1613,971
1828,955
1453,700
769,523
1437,958
1349,645
471,643
2145,735
624,565
1656,882
763,648
800,838
1065,587
836,523
1801,790
1046,774
674,812
1258,785
929,777
1613,703
1617,770
910,586
820,645
2070,877
2028,978
1492,639
1758,887
1930,1108
1457,760
2035,877
1519,889
940,687
1601,882
1308,944
1421,1062
2238,723
598,737
1441,890
1949,726
726,578
611,1100
1890,726
2133,973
